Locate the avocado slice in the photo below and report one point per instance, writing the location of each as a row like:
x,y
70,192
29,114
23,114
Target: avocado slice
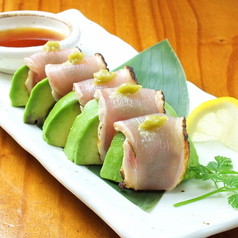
x,y
39,103
60,119
18,92
81,146
169,110
113,161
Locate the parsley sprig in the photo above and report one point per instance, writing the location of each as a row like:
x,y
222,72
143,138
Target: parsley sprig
x,y
223,176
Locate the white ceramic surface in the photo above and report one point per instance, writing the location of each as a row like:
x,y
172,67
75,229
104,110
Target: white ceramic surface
x,y
200,219
11,58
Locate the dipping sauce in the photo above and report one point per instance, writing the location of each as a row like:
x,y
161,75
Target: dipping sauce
x,y
25,37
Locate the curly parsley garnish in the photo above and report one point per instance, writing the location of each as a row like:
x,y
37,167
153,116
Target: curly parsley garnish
x,y
223,176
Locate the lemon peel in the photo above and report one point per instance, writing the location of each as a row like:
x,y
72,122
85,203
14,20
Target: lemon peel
x,y
215,120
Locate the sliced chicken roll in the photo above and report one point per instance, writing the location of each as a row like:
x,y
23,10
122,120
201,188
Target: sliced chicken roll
x,y
63,76
38,61
85,90
121,103
156,152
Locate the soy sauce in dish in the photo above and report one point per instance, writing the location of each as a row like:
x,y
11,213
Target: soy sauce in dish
x,y
26,37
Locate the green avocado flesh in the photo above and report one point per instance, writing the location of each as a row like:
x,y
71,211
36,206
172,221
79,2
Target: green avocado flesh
x,y
18,92
60,119
39,103
81,146
113,160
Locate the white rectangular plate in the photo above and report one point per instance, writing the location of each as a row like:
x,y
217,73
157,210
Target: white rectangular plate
x,y
200,219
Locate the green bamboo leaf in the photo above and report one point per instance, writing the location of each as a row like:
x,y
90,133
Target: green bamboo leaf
x,y
146,200
158,67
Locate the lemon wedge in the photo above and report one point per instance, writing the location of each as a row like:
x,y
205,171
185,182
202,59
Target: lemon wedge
x,y
215,120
